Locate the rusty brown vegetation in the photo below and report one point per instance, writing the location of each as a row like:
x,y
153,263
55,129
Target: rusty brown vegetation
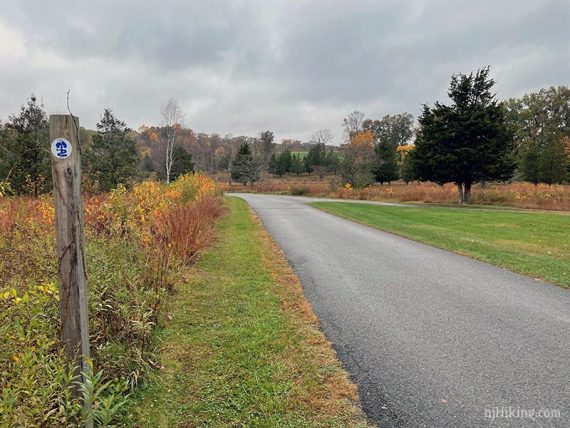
x,y
516,194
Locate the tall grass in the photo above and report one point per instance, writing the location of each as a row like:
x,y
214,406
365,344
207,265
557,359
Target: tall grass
x,y
137,242
518,194
187,229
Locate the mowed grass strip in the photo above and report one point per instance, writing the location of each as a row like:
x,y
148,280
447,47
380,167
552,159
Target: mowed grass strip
x,y
532,243
242,346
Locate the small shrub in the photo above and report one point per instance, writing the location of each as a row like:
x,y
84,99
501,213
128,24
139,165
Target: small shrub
x,y
299,190
194,186
334,184
187,229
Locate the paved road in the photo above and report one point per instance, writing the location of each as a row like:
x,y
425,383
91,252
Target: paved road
x,y
431,338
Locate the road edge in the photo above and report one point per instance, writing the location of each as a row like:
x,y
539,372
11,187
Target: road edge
x,y
339,390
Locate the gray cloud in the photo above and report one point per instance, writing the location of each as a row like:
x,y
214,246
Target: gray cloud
x,y
242,66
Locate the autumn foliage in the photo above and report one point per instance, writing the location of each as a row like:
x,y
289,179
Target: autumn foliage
x,y
186,230
518,195
364,139
139,241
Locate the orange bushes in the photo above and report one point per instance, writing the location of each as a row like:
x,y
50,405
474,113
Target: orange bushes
x,y
186,230
314,188
25,245
522,195
526,195
165,221
172,222
136,241
121,213
25,212
194,186
133,211
416,192
518,194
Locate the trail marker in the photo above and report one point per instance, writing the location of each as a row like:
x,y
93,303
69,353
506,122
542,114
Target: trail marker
x,y
70,239
61,148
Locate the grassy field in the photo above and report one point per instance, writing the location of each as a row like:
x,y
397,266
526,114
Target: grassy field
x,y
242,346
533,243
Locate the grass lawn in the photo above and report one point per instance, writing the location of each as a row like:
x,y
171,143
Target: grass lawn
x,y
242,346
533,243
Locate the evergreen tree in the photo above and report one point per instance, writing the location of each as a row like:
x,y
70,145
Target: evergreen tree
x,y
112,158
245,169
530,164
316,157
407,171
332,162
566,142
273,166
467,141
182,163
147,165
284,162
385,166
297,166
24,150
281,165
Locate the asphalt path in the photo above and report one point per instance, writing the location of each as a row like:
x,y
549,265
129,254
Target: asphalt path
x,y
430,337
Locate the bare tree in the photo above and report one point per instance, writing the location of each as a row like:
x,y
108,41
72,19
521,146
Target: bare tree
x,y
265,147
322,136
172,116
353,124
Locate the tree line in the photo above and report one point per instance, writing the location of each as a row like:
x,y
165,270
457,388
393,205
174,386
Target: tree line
x,y
473,138
112,154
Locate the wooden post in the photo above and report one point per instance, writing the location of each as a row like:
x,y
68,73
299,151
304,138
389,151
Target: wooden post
x,y
66,173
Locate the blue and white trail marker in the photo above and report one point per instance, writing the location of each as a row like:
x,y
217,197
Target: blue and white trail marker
x,y
61,148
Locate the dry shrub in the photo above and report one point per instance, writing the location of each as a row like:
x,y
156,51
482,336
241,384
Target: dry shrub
x,y
284,186
521,195
130,272
517,194
187,229
525,195
26,247
299,190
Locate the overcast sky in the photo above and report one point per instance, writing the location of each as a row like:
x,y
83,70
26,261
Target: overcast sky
x,y
292,66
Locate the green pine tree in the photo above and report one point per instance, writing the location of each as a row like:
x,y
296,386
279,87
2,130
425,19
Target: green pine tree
x,y
407,172
112,157
284,162
530,164
385,166
273,166
182,163
467,141
297,166
245,169
316,157
24,150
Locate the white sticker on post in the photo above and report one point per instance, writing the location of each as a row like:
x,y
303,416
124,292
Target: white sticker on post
x,y
61,148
